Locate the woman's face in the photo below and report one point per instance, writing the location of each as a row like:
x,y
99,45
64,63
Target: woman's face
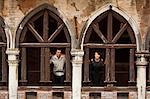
x,y
97,56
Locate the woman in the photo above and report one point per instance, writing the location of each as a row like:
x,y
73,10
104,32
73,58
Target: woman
x,y
96,66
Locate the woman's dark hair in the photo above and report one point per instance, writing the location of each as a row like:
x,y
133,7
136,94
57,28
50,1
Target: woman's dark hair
x,y
98,52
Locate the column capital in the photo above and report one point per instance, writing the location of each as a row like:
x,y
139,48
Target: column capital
x,y
77,56
12,51
142,58
77,52
13,62
143,54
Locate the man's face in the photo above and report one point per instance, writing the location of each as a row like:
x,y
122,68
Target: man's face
x,y
97,56
58,53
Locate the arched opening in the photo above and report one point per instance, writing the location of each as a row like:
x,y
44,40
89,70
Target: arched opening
x,y
43,33
3,57
111,35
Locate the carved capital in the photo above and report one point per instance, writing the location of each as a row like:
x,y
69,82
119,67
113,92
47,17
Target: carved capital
x,y
14,51
142,58
145,54
77,52
77,56
13,62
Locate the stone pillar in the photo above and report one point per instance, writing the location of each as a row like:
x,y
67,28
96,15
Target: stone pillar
x,y
67,95
85,95
132,95
77,73
141,64
108,95
21,95
148,95
13,72
44,95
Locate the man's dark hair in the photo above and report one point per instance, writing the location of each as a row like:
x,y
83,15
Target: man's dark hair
x,y
59,49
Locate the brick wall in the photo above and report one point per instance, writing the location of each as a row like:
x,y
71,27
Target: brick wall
x,y
67,95
3,95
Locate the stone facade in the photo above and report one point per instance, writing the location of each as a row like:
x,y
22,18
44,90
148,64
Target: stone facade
x,y
79,14
15,10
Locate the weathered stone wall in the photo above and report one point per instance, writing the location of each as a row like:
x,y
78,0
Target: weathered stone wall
x,y
14,10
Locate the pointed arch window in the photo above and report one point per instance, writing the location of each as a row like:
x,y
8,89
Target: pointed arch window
x,y
3,57
42,34
112,35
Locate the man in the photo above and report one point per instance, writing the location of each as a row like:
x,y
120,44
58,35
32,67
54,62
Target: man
x,y
58,61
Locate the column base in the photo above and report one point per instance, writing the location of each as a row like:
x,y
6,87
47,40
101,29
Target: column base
x,y
148,82
110,83
3,83
86,83
23,82
67,83
148,88
42,82
131,83
109,88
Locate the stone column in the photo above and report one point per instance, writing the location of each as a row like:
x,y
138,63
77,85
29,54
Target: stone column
x,y
85,95
77,73
108,95
141,64
67,95
13,72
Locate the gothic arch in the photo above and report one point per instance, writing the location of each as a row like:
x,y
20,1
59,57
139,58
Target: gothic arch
x,y
54,10
39,34
128,18
114,34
